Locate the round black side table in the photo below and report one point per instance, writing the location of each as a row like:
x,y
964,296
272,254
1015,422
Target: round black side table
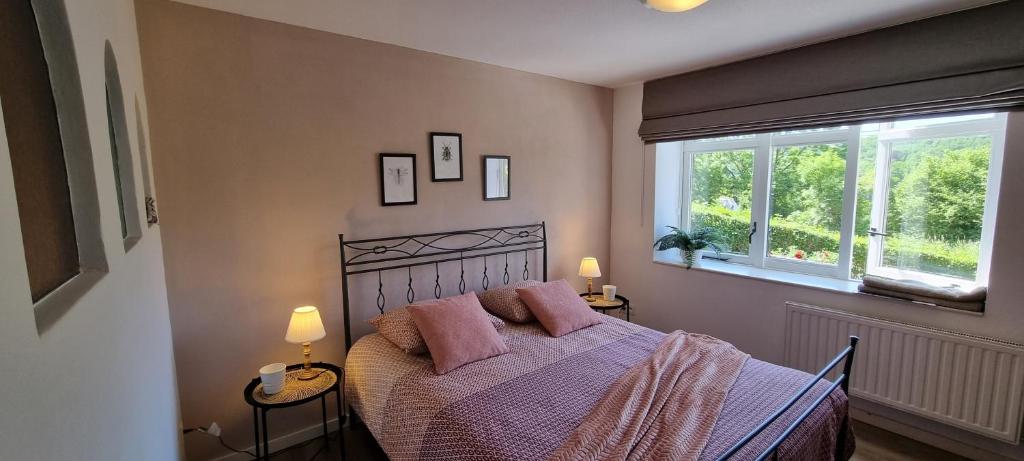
x,y
296,392
600,304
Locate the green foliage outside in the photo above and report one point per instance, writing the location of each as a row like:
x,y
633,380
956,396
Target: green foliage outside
x,y
936,201
958,260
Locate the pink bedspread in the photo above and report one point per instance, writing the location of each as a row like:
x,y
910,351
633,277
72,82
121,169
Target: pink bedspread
x,y
524,405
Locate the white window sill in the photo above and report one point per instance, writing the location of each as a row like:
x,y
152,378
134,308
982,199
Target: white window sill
x,y
789,278
743,270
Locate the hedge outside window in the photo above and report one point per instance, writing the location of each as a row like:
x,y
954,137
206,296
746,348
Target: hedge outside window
x,y
909,199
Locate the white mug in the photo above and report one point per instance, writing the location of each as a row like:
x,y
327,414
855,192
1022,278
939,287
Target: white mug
x,y
609,292
272,376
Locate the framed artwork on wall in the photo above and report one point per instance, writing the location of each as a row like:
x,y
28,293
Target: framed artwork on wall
x,y
445,157
397,179
497,179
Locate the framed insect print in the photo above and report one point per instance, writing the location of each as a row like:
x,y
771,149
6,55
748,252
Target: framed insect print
x,y
497,177
397,179
445,157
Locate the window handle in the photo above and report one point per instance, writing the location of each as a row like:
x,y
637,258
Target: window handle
x,y
753,230
875,233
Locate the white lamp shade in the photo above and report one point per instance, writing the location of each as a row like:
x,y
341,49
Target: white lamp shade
x,y
305,326
589,268
673,6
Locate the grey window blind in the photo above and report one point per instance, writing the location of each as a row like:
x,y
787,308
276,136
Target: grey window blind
x,y
971,60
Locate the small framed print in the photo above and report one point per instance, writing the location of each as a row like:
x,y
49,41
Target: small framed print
x,y
397,179
445,157
496,171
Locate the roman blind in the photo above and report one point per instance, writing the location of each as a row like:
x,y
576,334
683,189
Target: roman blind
x,y
970,60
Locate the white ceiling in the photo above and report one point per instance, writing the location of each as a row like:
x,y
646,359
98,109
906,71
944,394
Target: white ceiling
x,y
603,42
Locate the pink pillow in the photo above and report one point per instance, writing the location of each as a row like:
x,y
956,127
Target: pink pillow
x,y
398,327
505,303
558,307
457,332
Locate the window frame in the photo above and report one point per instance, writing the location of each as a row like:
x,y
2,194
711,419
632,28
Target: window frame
x,y
765,145
686,165
850,136
995,128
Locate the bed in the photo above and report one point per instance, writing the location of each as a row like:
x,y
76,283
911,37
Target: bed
x,y
527,403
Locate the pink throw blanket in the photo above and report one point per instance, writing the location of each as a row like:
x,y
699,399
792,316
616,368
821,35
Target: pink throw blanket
x,y
664,407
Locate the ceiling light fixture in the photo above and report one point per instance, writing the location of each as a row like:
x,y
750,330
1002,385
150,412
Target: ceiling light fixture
x,y
672,6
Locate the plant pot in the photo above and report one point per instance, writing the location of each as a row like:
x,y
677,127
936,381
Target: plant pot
x,y
693,258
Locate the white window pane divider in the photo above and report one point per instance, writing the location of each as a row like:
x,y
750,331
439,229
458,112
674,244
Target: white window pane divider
x,y
995,174
879,204
848,221
759,200
814,137
697,147
969,128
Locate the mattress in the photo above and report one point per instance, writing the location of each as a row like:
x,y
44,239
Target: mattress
x,y
523,405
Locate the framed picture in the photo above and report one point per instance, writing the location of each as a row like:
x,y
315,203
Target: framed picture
x,y
496,177
445,157
397,179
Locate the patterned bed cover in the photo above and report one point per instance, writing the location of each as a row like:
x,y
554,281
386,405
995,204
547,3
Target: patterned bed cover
x,y
523,405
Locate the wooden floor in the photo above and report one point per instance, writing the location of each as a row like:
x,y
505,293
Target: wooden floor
x,y
359,446
873,444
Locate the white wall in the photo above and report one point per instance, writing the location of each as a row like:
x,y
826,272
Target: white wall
x,y
750,313
99,384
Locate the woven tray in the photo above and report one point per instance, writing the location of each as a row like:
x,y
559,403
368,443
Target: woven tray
x,y
602,303
296,389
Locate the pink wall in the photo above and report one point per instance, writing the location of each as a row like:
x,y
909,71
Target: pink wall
x,y
265,140
751,313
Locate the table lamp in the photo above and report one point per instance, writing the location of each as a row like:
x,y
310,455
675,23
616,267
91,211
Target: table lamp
x,y
304,328
590,269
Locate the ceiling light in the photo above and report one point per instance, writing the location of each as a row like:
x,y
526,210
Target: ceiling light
x,y
672,6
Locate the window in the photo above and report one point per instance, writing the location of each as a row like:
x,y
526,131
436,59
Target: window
x,y
911,199
48,143
720,191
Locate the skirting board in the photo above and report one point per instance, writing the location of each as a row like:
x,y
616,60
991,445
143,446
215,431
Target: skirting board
x,y
285,441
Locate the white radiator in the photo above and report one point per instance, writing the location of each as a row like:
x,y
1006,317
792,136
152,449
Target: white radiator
x,y
965,381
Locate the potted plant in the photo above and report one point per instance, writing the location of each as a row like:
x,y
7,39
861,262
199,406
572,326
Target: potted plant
x,y
690,244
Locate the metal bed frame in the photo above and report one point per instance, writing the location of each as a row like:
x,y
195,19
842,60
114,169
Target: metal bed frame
x,y
379,255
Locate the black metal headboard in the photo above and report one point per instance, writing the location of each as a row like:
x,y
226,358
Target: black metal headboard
x,y
380,255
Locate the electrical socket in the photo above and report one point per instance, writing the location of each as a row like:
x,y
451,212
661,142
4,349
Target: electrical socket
x,y
214,429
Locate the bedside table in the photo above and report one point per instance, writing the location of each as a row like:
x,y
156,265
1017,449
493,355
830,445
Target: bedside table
x,y
296,392
600,304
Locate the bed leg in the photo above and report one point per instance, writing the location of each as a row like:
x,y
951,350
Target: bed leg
x,y
354,422
844,428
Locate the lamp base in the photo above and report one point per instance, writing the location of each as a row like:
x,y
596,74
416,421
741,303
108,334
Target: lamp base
x,y
307,368
308,374
590,290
